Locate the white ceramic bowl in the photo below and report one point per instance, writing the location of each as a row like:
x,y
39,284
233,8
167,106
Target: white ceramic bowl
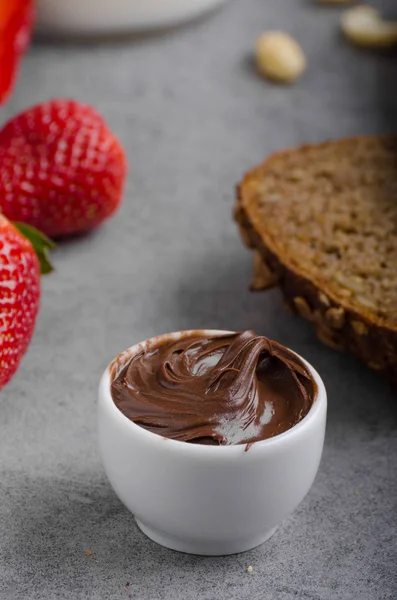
x,y
210,500
87,17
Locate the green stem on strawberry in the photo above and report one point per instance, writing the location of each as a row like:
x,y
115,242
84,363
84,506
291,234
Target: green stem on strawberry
x,y
41,244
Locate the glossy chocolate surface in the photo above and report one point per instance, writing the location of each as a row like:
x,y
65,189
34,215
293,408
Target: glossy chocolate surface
x,y
232,389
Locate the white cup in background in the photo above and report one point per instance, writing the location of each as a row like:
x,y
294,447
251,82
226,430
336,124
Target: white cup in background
x,y
97,17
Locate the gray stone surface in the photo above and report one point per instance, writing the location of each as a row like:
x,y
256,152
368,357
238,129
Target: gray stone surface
x,y
193,117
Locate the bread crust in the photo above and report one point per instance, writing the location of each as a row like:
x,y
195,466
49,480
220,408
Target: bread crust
x,y
337,324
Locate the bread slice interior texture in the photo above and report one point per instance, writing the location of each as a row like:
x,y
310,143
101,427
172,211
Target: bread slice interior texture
x,y
329,212
323,221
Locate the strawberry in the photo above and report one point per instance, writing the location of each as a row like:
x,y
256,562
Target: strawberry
x,y
61,168
16,20
19,291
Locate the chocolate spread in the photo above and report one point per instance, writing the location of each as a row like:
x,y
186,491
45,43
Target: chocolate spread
x,y
232,389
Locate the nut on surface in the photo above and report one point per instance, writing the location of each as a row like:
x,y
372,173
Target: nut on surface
x,y
279,57
364,26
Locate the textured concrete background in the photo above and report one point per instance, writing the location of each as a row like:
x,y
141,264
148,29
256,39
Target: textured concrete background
x,y
193,117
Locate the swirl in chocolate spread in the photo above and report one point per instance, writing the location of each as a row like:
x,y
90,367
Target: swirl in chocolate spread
x,y
232,389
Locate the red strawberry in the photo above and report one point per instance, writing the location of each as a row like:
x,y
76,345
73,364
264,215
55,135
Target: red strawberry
x,y
61,168
16,20
19,292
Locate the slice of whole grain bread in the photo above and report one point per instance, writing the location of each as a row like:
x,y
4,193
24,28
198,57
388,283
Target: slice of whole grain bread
x,y
322,221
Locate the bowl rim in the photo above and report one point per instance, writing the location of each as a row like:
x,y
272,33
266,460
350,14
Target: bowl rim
x,y
146,436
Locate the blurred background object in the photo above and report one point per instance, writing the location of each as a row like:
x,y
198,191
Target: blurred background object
x,y
16,20
87,17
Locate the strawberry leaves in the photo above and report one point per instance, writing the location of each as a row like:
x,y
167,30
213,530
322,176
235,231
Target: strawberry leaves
x,y
41,244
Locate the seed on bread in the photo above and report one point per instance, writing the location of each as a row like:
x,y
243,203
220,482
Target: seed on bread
x,y
328,337
359,327
303,308
279,57
264,278
352,283
366,302
376,366
336,317
296,175
323,299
